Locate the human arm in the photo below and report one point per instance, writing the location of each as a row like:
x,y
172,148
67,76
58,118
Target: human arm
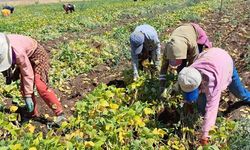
x,y
192,54
211,110
158,55
27,74
163,71
135,63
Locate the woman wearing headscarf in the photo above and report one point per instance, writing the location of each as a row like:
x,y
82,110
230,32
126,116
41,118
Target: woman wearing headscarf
x,y
203,82
18,52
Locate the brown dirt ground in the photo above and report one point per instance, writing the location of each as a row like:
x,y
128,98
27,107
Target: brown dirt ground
x,y
83,84
230,31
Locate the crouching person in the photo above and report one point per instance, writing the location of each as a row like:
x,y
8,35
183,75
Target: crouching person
x,y
202,82
9,8
24,53
68,8
185,43
144,45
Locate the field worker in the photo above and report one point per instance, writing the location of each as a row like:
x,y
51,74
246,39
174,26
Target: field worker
x,y
203,81
185,43
145,44
5,12
9,8
25,53
68,8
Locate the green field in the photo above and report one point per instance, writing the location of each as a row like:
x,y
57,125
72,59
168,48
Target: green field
x,y
107,117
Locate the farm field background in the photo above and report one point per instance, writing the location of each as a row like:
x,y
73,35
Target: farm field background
x,y
90,71
29,2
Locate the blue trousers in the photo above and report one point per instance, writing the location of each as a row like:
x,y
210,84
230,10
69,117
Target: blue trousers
x,y
236,87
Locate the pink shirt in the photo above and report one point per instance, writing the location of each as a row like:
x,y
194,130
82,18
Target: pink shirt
x,y
23,48
202,36
216,68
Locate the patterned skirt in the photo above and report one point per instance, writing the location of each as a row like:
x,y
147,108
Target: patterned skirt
x,y
40,63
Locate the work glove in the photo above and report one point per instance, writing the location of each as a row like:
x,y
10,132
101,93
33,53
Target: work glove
x,y
29,104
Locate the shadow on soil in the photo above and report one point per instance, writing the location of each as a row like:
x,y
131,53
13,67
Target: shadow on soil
x,y
117,83
235,106
168,116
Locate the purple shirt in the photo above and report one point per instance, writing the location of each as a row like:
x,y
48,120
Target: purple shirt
x,y
216,68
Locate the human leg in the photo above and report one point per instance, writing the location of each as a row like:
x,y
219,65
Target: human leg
x,y
48,95
237,88
201,103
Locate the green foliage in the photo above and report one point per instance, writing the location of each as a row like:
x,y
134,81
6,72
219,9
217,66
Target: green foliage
x,y
191,18
240,138
192,2
108,117
222,132
9,91
45,22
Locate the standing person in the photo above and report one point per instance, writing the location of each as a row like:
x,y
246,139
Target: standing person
x,y
202,82
145,44
185,43
26,54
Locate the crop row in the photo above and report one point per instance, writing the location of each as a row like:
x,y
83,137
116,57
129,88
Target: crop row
x,y
112,46
45,22
110,118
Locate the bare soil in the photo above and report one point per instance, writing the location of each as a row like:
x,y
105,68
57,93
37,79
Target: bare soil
x,y
230,31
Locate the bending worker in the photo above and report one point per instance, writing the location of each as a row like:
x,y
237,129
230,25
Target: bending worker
x,y
145,44
68,8
11,8
24,53
203,81
185,43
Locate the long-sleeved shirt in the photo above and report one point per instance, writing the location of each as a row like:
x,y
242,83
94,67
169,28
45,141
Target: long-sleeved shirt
x,y
151,43
23,47
189,36
216,68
